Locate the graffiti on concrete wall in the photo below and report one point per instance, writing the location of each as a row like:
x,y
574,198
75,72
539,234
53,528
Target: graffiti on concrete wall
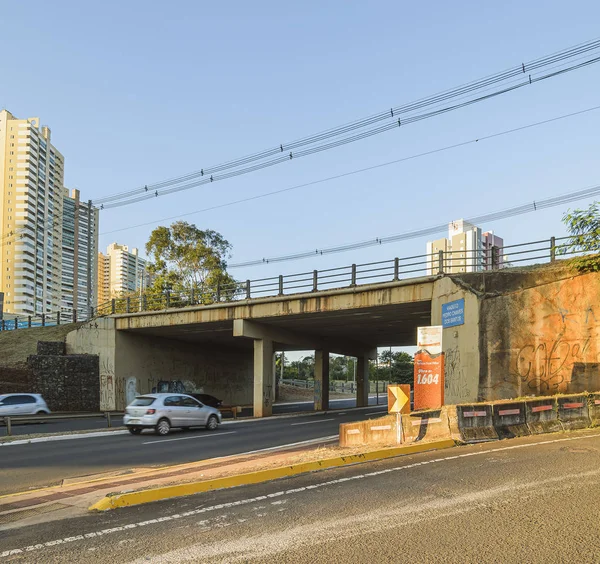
x,y
107,388
547,366
543,340
455,384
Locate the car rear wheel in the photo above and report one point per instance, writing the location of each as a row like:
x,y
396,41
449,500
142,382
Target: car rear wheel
x,y
163,427
134,430
212,423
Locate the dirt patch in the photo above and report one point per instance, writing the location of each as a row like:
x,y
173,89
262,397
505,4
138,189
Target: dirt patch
x,y
295,393
17,345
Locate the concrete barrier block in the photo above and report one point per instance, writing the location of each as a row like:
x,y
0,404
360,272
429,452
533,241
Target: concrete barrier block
x,y
594,409
510,419
476,423
371,432
351,434
428,425
453,422
573,412
542,416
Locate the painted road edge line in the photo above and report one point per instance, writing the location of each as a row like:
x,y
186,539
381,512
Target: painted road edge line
x,y
53,438
167,492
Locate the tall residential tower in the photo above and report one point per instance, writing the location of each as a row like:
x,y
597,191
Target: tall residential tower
x,y
31,203
121,271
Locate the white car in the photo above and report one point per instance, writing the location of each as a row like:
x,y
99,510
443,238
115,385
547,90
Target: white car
x,y
22,404
163,411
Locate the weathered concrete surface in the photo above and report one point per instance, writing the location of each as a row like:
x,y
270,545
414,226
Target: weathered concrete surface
x,y
540,333
133,364
460,344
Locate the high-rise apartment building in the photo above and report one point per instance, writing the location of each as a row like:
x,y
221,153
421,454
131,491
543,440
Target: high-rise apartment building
x,y
466,249
79,252
121,271
31,203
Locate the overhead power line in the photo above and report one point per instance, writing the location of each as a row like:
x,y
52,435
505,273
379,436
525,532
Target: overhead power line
x,y
530,207
357,171
474,92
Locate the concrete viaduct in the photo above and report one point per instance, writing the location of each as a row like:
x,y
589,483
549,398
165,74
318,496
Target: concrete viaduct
x,y
227,349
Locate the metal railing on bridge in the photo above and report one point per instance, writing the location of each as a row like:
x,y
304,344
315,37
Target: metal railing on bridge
x,y
436,263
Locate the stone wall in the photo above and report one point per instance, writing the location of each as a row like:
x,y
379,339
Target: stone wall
x,y
67,383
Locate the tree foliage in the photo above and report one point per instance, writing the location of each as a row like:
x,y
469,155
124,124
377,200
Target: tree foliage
x,y
186,258
584,230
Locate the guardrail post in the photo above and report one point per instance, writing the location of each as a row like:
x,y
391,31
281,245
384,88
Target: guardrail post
x,y
91,312
353,276
43,320
75,316
109,422
396,269
552,249
315,280
113,306
281,284
218,291
247,289
58,317
8,426
441,262
16,322
192,296
128,305
168,299
3,326
29,321
144,302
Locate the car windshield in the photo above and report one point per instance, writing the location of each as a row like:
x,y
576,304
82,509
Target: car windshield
x,y
143,401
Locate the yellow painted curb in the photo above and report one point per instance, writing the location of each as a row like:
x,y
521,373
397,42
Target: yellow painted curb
x,y
115,501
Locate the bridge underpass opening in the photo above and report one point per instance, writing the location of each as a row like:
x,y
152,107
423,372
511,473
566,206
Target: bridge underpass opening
x,y
247,347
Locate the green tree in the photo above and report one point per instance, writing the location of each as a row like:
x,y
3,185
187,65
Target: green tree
x,y
397,367
584,231
186,258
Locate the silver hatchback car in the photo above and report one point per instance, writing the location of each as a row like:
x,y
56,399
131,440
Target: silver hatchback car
x,y
163,411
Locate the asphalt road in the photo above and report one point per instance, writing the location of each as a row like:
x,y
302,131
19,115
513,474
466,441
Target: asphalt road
x,y
99,423
524,500
40,464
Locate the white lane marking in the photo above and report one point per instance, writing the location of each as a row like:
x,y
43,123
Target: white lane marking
x,y
247,501
308,442
188,438
63,438
312,422
330,401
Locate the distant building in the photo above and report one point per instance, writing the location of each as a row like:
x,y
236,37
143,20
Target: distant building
x,y
121,271
466,249
80,231
31,203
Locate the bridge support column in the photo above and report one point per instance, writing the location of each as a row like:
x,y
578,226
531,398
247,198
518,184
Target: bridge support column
x,y
362,381
321,380
264,388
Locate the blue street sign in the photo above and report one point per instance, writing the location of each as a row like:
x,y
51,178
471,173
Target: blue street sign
x,y
453,313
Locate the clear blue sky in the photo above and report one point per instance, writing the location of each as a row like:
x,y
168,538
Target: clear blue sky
x,y
140,91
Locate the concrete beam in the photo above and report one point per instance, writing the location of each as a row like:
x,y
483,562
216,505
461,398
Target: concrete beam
x,y
301,341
